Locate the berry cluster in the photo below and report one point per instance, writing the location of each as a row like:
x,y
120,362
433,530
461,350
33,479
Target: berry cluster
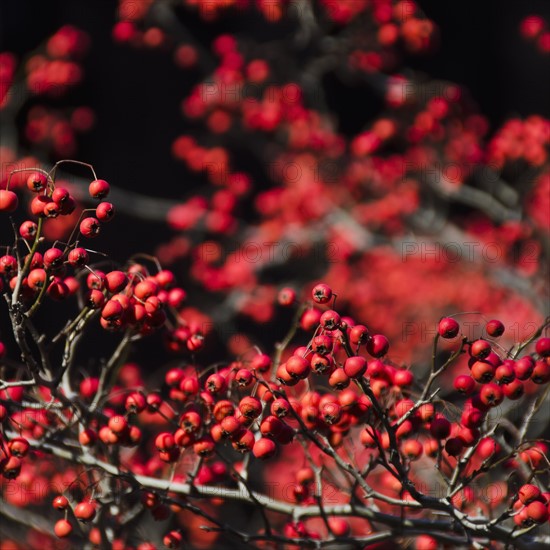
x,y
205,427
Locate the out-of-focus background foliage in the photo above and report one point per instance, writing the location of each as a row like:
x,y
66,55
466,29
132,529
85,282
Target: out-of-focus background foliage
x,y
410,171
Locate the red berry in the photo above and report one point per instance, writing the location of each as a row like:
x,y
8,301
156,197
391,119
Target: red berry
x,y
63,528
165,442
523,367
528,493
355,367
454,446
60,502
378,345
412,449
173,539
286,297
440,427
321,293
448,327
537,511
482,372
118,424
541,372
494,328
261,362
542,347
464,384
105,211
60,195
480,349
37,182
116,281
99,189
491,395
8,201
264,448
89,227
330,320
53,258
298,367
78,257
11,468
358,335
28,229
19,447
37,205
84,511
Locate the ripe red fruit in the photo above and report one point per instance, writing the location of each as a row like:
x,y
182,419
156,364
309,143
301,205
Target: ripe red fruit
x,y
116,281
425,542
105,211
298,367
99,189
264,448
514,389
173,539
36,279
494,328
412,449
542,347
355,366
330,320
528,493
28,229
454,446
505,372
53,258
19,447
537,512
8,201
60,195
480,349
402,378
84,511
78,257
261,362
37,205
482,372
339,527
87,437
440,427
541,372
286,297
243,441
491,395
37,182
60,502
118,424
339,379
378,345
250,407
165,442
63,528
464,384
321,293
244,377
523,367
11,468
448,327
89,227
358,335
